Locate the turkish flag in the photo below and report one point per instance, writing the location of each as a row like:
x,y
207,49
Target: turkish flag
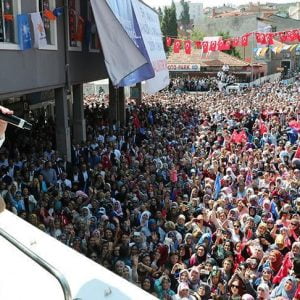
x,y
244,40
213,46
227,45
282,37
297,34
221,45
168,41
205,47
188,47
260,38
198,44
235,42
177,46
269,38
291,36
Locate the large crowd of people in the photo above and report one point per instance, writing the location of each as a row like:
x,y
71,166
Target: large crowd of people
x,y
195,197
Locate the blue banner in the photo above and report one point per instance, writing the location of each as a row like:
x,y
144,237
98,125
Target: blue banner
x,y
124,12
24,33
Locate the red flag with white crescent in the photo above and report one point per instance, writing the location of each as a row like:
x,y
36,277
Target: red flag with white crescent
x,y
205,47
198,44
269,38
177,46
235,42
244,40
188,47
168,41
260,38
213,46
282,37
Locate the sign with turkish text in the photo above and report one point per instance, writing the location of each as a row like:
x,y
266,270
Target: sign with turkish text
x,y
149,24
184,67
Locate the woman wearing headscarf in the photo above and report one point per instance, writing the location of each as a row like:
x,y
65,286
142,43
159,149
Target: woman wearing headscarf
x,y
263,292
86,214
199,257
117,209
144,220
203,292
215,281
183,292
147,285
287,263
286,289
275,260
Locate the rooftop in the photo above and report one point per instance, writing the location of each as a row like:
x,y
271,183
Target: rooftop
x,y
212,59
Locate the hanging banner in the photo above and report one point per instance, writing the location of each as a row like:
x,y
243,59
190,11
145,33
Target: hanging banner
x,y
24,32
123,10
121,55
151,34
40,39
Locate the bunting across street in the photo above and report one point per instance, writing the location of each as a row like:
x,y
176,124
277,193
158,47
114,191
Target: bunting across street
x,y
264,39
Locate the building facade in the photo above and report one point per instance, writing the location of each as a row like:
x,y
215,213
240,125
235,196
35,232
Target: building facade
x,y
294,11
58,70
195,9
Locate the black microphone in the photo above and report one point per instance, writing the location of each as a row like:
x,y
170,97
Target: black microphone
x,y
16,121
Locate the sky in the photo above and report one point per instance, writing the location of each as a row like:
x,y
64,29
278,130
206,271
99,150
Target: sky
x,y
157,3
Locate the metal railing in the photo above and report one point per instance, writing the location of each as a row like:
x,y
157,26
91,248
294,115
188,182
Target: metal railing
x,y
40,261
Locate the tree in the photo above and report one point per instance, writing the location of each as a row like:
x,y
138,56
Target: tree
x,y
197,35
185,14
169,23
160,15
233,51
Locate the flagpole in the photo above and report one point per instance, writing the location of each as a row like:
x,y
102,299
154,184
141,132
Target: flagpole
x,y
252,57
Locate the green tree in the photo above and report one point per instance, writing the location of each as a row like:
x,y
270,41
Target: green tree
x,y
185,14
197,35
233,51
169,23
160,15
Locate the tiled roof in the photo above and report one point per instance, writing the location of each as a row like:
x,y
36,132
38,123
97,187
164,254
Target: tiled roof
x,y
212,59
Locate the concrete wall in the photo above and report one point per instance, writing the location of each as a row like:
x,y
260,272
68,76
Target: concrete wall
x,y
23,72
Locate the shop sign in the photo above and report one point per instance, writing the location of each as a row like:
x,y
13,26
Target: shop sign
x,y
184,67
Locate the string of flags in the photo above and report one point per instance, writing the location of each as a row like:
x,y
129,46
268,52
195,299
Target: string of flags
x,y
218,44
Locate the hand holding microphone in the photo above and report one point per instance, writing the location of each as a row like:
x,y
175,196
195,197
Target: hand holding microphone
x,y
3,124
6,116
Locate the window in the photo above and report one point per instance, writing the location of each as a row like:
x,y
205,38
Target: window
x,y
94,45
50,26
9,9
74,22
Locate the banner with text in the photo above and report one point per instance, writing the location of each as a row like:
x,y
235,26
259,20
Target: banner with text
x,y
123,11
121,55
150,29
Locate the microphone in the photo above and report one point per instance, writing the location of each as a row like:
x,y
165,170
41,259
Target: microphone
x,y
16,121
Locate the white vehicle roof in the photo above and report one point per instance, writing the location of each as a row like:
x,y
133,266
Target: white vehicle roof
x,y
21,278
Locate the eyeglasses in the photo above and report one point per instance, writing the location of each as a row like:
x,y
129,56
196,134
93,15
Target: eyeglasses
x,y
294,224
236,226
234,286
